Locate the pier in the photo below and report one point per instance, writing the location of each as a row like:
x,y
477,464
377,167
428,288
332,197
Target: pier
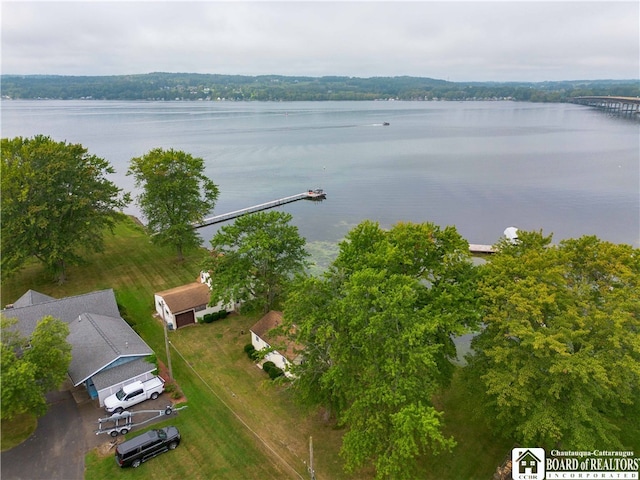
x,y
481,249
623,106
317,194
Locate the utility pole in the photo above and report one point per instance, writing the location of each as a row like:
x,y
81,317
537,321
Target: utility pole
x,y
166,342
311,470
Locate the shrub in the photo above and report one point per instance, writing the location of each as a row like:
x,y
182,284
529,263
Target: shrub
x,y
275,372
250,350
208,318
268,366
223,314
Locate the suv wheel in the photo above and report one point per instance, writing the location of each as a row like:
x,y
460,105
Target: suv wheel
x,y
136,463
173,445
154,395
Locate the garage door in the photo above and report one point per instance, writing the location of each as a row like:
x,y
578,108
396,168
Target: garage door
x,y
185,318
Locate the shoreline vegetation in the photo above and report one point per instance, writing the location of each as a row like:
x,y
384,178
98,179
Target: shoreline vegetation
x,y
214,87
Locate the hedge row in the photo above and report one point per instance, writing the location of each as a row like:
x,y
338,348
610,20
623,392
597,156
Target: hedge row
x,y
210,317
269,367
251,352
272,370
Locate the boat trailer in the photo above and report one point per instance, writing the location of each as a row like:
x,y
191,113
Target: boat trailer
x,y
122,423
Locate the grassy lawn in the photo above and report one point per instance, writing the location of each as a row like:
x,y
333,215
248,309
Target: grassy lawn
x,y
238,424
16,431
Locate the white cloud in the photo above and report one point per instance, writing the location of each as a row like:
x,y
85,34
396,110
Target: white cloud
x,y
458,40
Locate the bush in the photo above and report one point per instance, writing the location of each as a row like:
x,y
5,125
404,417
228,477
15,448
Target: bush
x,y
275,372
272,370
267,366
208,318
250,350
223,314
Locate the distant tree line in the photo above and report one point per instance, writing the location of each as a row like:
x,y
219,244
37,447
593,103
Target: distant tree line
x,y
192,86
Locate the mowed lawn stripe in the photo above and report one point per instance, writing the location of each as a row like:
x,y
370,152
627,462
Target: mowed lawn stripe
x,y
271,451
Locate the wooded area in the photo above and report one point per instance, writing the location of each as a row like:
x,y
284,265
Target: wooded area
x,y
192,86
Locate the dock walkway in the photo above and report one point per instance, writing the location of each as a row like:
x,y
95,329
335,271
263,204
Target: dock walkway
x,y
317,194
476,248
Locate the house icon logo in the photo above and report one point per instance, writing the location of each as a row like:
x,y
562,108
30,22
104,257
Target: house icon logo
x,y
527,463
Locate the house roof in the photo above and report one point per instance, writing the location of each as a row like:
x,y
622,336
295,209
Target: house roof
x,y
121,373
186,297
98,341
31,297
264,329
33,306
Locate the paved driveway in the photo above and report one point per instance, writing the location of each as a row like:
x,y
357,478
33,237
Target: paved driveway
x,y
55,450
64,435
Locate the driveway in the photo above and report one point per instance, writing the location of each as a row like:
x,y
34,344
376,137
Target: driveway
x,y
55,450
64,435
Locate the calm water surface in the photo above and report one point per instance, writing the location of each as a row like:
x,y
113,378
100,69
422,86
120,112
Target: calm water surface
x,y
481,166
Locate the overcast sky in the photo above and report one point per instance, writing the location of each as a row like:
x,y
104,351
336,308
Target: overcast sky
x,y
459,41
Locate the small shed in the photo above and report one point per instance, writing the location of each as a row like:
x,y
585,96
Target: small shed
x,y
183,305
178,306
263,336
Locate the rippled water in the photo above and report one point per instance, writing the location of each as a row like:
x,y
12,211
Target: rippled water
x,y
481,166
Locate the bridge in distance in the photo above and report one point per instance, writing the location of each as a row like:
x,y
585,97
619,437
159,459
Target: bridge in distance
x,y
624,106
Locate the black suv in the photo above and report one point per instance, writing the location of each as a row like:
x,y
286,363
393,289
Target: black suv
x,y
143,447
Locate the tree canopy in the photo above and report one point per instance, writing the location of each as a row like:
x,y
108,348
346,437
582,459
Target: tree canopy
x,y
254,258
176,195
196,86
377,332
559,359
56,202
32,367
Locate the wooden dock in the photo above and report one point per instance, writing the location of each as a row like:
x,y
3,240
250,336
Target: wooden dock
x,y
317,194
481,249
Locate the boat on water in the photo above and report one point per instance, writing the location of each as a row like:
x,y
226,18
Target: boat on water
x,y
316,194
386,124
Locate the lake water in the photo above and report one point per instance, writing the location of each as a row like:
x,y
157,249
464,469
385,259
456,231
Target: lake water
x,y
481,166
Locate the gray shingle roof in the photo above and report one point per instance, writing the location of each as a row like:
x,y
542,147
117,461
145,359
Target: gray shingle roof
x,y
31,297
122,373
98,341
67,309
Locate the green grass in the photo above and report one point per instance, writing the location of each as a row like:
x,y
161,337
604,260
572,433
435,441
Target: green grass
x,y
16,431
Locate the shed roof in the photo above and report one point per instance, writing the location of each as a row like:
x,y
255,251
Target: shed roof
x,y
264,329
98,341
186,297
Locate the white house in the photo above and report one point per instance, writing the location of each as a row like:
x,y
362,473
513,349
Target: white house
x,y
263,336
182,305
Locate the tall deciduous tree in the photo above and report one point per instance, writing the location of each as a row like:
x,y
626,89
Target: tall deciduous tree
x,y
56,202
255,257
32,367
559,359
377,332
176,194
